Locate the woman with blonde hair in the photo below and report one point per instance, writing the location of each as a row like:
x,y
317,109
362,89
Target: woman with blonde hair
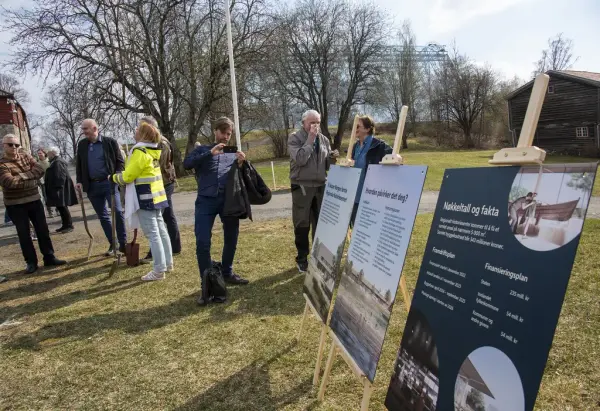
x,y
145,197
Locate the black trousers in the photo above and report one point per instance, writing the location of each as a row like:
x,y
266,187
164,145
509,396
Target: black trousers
x,y
20,215
65,216
306,205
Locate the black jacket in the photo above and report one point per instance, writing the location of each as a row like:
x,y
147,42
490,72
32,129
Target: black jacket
x,y
60,190
244,187
112,157
377,151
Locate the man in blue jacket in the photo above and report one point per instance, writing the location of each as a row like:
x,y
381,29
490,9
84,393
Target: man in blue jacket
x,y
211,166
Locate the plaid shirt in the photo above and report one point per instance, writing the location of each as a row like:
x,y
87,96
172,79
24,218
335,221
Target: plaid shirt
x,y
19,178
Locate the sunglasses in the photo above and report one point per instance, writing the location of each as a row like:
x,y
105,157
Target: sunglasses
x,y
15,145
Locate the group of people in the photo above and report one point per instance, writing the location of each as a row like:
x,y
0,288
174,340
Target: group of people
x,y
147,179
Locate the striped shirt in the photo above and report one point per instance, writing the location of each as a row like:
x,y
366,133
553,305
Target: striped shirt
x,y
19,179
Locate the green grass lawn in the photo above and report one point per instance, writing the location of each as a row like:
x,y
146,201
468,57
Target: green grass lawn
x,y
96,343
80,340
419,152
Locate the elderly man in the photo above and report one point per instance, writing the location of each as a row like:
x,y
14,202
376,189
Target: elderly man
x,y
97,158
19,178
60,191
310,155
167,170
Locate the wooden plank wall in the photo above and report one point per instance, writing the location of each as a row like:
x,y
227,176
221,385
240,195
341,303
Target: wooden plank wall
x,y
571,105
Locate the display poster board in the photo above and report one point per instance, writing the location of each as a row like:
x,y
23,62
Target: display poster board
x,y
491,287
384,223
330,237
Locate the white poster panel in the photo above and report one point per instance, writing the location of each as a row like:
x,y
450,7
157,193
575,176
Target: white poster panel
x,y
384,224
330,237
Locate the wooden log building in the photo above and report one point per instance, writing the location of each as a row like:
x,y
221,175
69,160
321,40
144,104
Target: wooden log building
x,y
570,118
13,120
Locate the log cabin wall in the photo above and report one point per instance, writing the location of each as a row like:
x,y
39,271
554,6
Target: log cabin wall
x,y
570,118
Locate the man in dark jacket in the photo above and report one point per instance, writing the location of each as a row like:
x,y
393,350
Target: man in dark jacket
x,y
97,158
212,167
60,190
167,170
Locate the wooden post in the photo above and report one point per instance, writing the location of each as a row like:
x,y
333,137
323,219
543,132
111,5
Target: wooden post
x,y
405,293
395,158
328,366
236,118
348,162
320,355
364,405
273,170
524,153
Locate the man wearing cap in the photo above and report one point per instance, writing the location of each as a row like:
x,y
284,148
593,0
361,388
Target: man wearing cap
x,y
19,179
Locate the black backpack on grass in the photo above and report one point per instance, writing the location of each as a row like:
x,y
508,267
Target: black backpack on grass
x,y
213,285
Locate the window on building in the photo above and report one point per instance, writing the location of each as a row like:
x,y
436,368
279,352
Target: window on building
x,y
550,89
582,132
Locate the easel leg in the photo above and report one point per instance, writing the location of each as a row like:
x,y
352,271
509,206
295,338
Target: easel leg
x,y
327,372
405,293
364,406
303,321
320,355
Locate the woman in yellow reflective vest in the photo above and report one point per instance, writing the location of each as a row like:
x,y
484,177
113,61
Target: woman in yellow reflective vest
x,y
146,197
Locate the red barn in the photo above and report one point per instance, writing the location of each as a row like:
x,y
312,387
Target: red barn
x,y
13,120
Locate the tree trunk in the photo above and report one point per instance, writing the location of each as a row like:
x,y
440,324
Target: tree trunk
x,y
404,140
468,140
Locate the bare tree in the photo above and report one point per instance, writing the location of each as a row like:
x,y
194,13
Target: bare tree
x,y
120,45
310,38
10,85
366,29
466,88
409,78
558,55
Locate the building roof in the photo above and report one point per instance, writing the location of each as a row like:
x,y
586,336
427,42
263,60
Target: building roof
x,y
585,77
473,378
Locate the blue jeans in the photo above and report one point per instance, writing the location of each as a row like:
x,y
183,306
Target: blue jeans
x,y
156,232
207,209
99,196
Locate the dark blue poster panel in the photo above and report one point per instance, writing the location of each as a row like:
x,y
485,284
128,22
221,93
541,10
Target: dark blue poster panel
x,y
491,287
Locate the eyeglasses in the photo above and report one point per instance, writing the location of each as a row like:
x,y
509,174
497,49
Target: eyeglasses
x,y
15,145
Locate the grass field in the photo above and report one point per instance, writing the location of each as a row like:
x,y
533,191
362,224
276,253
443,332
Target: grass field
x,y
79,340
419,152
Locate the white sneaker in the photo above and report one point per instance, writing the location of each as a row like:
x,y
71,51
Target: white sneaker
x,y
170,267
153,276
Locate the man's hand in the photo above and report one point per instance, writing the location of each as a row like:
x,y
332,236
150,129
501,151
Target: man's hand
x,y
335,153
30,159
218,149
312,134
241,157
79,188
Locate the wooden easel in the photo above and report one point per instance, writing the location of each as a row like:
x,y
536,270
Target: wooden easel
x,y
336,346
345,162
524,152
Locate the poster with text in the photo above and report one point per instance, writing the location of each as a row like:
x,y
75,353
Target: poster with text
x,y
330,237
384,223
491,286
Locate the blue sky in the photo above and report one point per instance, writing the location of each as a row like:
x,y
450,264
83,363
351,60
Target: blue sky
x,y
502,378
507,34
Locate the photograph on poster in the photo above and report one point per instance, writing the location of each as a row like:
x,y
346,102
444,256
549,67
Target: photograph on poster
x,y
320,278
546,209
414,384
361,316
488,381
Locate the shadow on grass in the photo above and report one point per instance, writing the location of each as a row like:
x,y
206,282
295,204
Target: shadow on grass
x,y
71,264
65,300
268,296
248,389
27,290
